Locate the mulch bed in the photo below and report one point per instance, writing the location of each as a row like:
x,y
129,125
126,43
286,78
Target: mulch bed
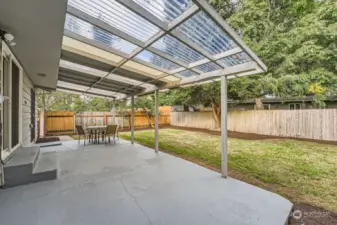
x,y
47,139
238,135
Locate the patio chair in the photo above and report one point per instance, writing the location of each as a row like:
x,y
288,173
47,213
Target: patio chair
x,y
117,133
81,132
109,132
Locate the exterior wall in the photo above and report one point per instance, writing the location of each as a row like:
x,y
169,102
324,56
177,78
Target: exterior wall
x,y
26,111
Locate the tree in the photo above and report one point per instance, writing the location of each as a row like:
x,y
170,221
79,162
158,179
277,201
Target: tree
x,y
297,41
71,102
146,104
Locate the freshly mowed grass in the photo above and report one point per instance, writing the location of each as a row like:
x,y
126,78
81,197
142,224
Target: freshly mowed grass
x,y
300,171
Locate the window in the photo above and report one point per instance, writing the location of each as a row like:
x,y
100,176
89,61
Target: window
x,y
293,106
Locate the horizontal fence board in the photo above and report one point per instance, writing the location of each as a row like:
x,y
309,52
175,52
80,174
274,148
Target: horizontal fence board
x,y
319,124
64,121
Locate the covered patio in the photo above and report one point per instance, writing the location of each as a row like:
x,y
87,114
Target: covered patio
x,y
129,184
121,49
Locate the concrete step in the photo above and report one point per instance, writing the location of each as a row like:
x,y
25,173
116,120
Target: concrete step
x,y
23,158
28,165
18,170
46,167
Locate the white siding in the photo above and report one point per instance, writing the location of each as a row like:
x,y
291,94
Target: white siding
x,y
26,108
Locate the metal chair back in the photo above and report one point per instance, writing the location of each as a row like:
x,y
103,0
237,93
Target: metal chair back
x,y
80,130
110,129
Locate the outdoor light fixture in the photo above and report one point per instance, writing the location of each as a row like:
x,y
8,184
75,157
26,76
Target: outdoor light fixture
x,y
3,98
8,37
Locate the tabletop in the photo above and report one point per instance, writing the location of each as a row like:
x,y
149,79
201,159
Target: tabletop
x,y
96,127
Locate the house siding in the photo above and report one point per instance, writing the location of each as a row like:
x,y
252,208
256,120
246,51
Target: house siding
x,y
26,111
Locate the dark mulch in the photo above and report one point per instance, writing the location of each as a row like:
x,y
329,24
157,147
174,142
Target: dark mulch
x,y
312,215
238,135
47,139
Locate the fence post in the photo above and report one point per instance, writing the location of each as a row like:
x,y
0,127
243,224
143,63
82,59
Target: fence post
x,y
74,123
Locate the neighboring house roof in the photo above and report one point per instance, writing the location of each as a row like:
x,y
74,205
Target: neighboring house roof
x,y
282,100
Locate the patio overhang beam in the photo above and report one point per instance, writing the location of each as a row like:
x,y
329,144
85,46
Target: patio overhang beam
x,y
244,69
216,57
73,91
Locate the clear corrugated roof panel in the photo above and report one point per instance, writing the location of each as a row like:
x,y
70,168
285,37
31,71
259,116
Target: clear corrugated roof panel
x,y
177,50
102,92
187,73
165,10
129,81
156,60
118,16
82,69
92,32
233,60
208,67
71,86
80,48
201,30
156,41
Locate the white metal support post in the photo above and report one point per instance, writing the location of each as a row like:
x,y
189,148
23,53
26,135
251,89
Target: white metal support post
x,y
224,134
114,112
156,124
132,119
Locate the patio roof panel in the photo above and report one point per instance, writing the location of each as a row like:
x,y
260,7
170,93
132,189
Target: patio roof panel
x,y
201,30
160,43
233,60
187,73
92,32
150,57
208,67
116,15
73,86
166,10
176,49
86,61
89,49
81,68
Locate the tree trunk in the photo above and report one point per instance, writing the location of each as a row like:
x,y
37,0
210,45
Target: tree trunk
x,y
148,119
216,115
258,104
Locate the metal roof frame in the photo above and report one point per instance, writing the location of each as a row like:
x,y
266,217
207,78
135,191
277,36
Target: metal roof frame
x,y
255,66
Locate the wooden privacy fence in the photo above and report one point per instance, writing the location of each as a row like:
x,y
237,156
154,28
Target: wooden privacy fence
x,y
320,124
58,122
106,118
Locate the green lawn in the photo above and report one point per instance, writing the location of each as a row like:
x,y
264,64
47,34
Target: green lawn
x,y
301,171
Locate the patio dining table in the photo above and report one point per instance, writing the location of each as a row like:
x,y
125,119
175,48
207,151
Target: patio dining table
x,y
95,131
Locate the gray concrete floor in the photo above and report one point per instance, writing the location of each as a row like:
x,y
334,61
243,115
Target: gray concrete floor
x,y
131,185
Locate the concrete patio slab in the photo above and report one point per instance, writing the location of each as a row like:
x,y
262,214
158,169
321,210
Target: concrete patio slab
x,y
130,184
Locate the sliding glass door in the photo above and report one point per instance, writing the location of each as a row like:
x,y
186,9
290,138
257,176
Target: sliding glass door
x,y
15,104
11,122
